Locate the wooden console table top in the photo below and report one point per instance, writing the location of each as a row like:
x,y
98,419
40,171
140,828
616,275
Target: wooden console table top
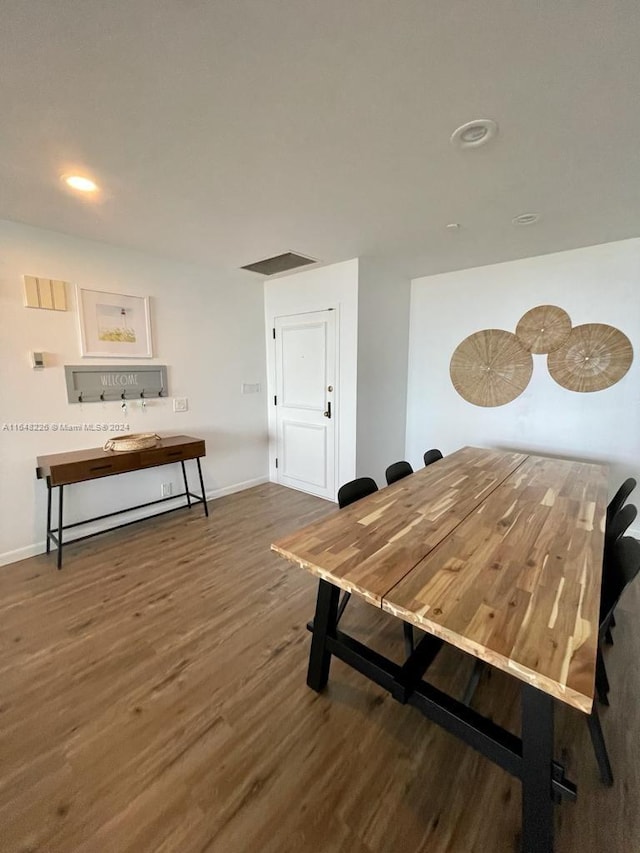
x,y
75,466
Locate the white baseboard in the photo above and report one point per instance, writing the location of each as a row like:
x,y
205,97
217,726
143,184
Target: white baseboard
x,y
237,487
22,553
134,515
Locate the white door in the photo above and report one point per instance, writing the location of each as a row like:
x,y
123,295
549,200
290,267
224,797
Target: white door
x,y
305,407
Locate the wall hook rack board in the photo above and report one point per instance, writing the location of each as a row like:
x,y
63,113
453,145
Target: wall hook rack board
x,y
103,384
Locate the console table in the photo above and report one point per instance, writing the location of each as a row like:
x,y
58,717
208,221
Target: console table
x,y
63,469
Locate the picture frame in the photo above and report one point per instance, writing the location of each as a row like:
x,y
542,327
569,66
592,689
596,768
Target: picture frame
x,y
113,325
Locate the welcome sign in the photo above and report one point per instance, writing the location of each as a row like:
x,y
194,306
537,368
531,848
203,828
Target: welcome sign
x,y
100,383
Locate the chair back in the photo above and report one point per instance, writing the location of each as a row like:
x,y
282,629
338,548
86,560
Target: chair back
x,y
618,500
397,471
619,524
356,489
432,456
621,566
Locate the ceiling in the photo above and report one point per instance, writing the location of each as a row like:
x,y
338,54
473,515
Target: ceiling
x,y
225,131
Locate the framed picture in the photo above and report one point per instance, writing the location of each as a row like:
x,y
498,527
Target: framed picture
x,y
113,325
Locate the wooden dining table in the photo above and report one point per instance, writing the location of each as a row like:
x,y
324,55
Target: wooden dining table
x,y
497,553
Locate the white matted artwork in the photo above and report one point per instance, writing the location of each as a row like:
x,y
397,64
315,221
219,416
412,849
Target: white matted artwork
x,y
113,325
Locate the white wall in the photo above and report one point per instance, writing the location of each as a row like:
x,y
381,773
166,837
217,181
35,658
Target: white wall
x,y
334,286
383,342
598,284
208,328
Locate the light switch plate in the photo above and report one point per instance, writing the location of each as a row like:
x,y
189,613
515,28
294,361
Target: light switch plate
x,y
180,404
250,387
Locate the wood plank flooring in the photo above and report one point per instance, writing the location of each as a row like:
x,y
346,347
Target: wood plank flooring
x,y
153,699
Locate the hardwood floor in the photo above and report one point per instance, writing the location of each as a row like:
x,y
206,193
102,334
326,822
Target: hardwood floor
x,y
153,698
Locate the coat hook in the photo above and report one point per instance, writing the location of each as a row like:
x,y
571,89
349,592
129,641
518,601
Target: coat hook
x,y
161,391
123,396
102,396
80,397
142,393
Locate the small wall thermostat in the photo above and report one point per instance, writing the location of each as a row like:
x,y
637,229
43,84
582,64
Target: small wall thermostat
x,y
37,360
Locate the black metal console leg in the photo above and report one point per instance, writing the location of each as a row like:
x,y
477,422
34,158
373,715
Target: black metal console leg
x,y
186,484
60,492
324,624
537,771
204,497
48,517
599,747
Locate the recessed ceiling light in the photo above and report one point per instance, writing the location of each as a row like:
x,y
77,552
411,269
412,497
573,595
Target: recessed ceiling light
x,y
526,219
453,226
80,183
474,133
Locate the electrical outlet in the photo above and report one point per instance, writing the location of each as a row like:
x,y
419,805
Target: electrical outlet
x,y
180,404
250,387
166,490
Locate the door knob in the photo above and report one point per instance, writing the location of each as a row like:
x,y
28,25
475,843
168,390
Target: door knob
x,y
327,414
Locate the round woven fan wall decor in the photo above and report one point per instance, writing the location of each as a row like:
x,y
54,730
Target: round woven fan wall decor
x,y
594,357
490,368
544,329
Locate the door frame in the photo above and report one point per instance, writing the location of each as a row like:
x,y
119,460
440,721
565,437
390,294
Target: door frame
x,y
272,384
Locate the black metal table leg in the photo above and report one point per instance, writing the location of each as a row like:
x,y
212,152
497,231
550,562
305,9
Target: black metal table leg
x,y
408,638
60,491
472,685
343,604
324,625
186,484
48,516
204,497
599,746
537,771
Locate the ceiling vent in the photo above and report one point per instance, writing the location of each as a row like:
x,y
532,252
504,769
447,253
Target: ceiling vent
x,y
280,263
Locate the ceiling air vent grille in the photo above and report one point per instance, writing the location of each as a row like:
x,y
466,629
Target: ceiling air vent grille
x,y
280,263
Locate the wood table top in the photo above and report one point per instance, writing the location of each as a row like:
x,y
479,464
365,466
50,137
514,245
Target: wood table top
x,y
498,553
371,545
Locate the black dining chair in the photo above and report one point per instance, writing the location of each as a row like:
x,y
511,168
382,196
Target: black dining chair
x,y
620,498
348,494
622,565
610,581
356,489
615,526
432,456
397,471
619,524
615,529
